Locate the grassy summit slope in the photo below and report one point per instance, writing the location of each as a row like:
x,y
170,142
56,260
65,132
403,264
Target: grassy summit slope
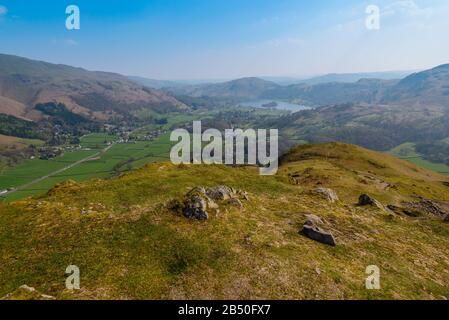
x,y
129,245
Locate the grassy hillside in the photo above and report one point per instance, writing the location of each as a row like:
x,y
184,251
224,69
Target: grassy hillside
x,y
13,149
245,88
129,244
378,127
408,152
97,95
430,87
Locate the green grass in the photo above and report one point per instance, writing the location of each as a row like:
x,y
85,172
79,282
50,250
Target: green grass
x,y
96,140
173,120
33,169
407,152
104,166
132,247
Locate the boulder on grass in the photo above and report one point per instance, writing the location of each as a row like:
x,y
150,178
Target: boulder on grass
x,y
366,200
312,231
196,203
219,193
328,194
195,207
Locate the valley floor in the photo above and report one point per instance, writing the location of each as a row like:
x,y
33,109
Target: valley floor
x,y
95,160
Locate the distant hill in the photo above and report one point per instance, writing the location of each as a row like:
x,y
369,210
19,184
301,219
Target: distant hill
x,y
430,86
245,88
163,84
379,127
427,87
155,84
354,77
365,90
97,95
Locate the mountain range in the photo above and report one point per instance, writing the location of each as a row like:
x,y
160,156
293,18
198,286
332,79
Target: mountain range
x,y
426,87
24,83
375,113
167,231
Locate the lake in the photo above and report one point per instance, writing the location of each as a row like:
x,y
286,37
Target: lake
x,y
281,105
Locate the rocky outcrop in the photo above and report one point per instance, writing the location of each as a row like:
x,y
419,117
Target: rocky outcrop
x,y
366,200
426,206
220,193
199,201
236,203
195,207
314,232
328,194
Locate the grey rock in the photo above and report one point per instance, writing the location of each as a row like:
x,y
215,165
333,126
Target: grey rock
x,y
317,234
366,200
328,194
312,231
313,220
236,202
427,207
199,200
219,193
195,208
197,190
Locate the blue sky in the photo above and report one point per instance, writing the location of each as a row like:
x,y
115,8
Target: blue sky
x,y
222,39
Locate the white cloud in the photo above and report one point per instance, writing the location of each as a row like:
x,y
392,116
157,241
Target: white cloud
x,y
407,8
3,10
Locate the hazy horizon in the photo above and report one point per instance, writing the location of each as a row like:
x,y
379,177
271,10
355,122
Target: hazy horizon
x,y
199,40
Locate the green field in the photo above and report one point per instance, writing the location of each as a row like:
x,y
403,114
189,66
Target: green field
x,y
407,152
119,158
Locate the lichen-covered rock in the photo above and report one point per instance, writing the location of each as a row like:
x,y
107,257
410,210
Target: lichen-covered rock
x,y
328,194
195,207
219,193
199,201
